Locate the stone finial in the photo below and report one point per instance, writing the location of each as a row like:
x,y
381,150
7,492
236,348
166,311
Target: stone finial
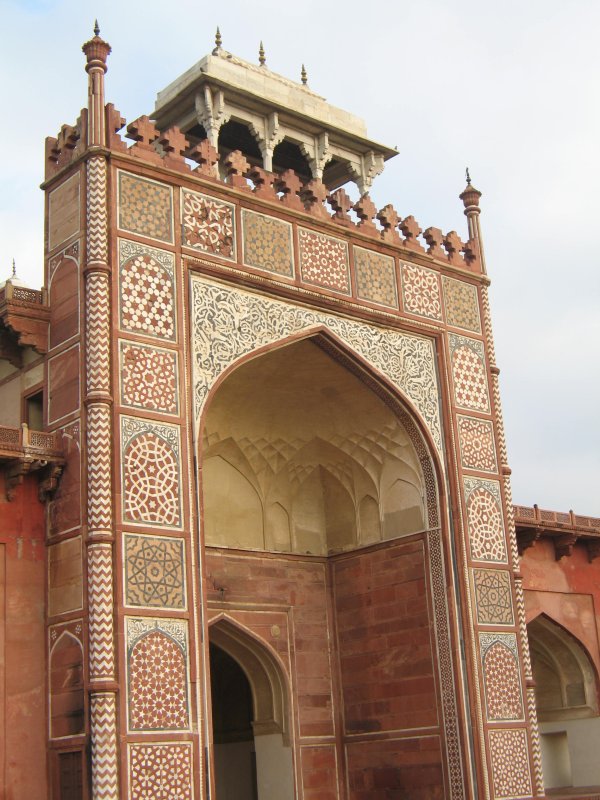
x,y
14,270
262,59
304,76
218,39
96,51
470,195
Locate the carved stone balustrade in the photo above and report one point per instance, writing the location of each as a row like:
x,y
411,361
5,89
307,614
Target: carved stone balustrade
x,y
23,451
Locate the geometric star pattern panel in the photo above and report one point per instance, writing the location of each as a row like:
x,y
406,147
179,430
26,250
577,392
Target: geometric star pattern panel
x,y
421,291
267,243
468,373
484,514
477,448
149,378
323,261
154,571
145,207
146,290
375,277
160,771
460,301
150,465
503,696
157,674
510,763
208,224
493,597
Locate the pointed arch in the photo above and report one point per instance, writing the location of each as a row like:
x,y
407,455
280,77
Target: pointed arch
x,y
265,673
566,679
427,462
67,699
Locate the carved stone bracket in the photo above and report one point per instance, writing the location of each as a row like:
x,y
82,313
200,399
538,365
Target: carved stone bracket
x,y
527,537
593,548
49,473
563,545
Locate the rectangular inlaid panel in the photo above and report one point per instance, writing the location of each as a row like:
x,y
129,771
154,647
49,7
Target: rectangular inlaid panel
x,y
150,465
63,384
64,508
493,597
510,763
148,377
208,224
65,577
147,290
469,375
477,446
157,674
375,277
64,212
484,515
267,243
323,261
154,571
145,207
501,677
462,308
421,291
161,771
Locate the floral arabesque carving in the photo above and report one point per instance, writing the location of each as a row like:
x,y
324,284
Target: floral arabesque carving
x,y
229,323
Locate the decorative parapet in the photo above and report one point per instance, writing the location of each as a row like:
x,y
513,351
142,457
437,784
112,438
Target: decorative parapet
x,y
23,451
171,150
564,528
25,312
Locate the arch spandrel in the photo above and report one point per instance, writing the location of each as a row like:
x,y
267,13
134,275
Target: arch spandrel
x,y
229,323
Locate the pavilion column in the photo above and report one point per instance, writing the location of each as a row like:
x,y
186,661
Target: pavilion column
x,y
98,402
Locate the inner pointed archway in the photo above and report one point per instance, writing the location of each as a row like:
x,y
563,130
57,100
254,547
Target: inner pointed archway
x,y
250,718
300,455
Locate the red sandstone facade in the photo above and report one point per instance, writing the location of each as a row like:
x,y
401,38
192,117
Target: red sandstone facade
x,y
280,559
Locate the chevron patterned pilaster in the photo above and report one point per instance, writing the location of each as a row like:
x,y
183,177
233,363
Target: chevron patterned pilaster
x,y
100,593
104,747
99,486
97,332
97,239
99,472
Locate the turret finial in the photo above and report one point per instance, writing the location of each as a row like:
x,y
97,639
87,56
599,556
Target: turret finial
x,y
96,28
218,39
14,271
304,76
261,55
468,177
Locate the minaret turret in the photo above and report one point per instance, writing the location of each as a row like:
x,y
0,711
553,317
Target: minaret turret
x,y
470,197
96,51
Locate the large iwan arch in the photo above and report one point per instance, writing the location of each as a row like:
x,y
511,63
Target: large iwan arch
x,y
321,533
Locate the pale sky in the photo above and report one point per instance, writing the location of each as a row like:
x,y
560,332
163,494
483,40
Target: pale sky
x,y
509,89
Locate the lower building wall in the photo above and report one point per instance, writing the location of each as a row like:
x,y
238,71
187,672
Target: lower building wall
x,y
354,635
23,774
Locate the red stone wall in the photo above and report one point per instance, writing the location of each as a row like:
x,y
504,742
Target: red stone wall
x,y
22,652
374,606
567,590
385,641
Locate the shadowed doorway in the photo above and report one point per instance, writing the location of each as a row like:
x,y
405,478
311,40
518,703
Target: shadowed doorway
x,y
235,755
252,752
